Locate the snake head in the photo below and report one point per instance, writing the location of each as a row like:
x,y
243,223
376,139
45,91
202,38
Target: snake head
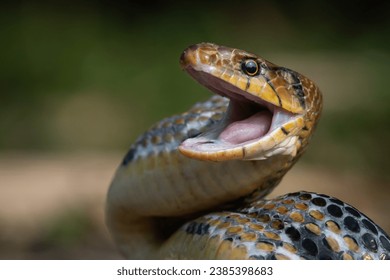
x,y
272,110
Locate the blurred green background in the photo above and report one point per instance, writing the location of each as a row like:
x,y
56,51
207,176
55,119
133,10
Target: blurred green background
x,y
80,80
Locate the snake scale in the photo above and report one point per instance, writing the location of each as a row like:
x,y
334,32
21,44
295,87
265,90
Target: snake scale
x,y
193,185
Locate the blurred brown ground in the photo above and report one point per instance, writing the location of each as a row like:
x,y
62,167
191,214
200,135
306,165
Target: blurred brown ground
x,y
52,206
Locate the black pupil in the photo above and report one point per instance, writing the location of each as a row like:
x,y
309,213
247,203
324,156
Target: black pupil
x,y
250,67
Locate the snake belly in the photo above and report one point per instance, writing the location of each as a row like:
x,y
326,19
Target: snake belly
x,y
193,185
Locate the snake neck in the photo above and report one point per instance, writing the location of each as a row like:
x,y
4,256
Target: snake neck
x,y
150,198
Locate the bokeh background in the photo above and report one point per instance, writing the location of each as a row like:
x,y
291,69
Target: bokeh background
x,y
79,80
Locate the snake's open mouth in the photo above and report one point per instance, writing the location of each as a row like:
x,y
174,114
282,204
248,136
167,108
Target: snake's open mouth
x,y
251,127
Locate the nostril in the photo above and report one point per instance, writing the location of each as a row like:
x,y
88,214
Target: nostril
x,y
182,57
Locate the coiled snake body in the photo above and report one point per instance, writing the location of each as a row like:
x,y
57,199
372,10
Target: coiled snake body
x,y
192,186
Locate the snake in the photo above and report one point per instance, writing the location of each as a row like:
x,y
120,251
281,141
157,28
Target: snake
x,y
195,185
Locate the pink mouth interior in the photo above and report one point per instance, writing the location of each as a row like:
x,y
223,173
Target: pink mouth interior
x,y
248,129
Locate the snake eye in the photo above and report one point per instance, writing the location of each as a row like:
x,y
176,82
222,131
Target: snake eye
x,y
250,67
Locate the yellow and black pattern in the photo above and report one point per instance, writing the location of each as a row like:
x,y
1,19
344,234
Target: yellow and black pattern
x,y
300,225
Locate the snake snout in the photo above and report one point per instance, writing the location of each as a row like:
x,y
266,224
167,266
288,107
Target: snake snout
x,y
189,56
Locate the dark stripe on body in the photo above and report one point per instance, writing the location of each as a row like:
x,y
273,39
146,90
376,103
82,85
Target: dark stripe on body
x,y
273,88
296,85
279,100
284,130
129,156
248,83
299,92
